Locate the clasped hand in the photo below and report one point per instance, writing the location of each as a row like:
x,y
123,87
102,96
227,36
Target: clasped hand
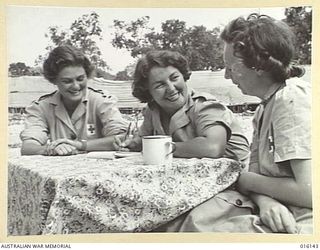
x,y
63,147
272,213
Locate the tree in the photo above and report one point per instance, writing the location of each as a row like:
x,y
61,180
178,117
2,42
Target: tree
x,y
202,47
83,34
122,76
19,69
300,20
103,74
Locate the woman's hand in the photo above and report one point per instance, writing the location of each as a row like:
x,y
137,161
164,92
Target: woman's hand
x,y
64,149
63,146
120,144
128,144
276,216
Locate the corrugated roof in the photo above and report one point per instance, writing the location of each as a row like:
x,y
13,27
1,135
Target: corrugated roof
x,y
23,90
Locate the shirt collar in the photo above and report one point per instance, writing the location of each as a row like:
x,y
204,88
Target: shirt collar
x,y
55,99
271,92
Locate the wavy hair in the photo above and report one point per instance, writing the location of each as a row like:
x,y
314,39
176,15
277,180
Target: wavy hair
x,y
263,43
65,56
160,58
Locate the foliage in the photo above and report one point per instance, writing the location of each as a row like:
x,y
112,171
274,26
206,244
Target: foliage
x,y
21,69
300,20
122,76
202,47
103,74
127,73
83,34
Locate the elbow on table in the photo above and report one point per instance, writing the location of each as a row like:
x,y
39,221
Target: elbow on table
x,y
25,151
28,148
215,151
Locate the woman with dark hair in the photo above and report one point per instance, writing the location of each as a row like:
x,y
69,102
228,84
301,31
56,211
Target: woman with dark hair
x,y
199,125
75,117
258,56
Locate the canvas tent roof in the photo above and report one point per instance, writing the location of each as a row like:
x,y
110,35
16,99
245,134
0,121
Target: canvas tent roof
x,y
23,90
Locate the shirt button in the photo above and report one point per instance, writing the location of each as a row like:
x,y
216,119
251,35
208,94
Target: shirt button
x,y
239,202
73,137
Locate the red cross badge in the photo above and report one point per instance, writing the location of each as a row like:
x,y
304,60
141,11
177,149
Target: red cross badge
x,y
91,129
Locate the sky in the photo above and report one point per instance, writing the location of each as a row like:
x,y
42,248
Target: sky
x,y
26,26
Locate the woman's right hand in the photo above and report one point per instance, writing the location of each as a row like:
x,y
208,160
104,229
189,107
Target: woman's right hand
x,y
277,216
121,144
129,144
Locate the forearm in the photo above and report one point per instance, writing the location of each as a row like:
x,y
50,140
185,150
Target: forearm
x,y
260,199
100,144
286,190
33,148
199,147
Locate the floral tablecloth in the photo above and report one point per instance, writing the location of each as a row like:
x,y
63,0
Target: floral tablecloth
x,y
76,194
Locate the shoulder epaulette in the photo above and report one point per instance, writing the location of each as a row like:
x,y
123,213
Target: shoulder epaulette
x,y
96,90
100,91
204,96
45,96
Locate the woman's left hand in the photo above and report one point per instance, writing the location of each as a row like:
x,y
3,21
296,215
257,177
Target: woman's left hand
x,y
76,144
65,149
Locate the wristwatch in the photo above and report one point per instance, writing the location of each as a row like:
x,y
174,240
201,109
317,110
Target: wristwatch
x,y
83,145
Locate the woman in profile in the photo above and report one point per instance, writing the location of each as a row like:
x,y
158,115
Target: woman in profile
x,y
75,117
258,57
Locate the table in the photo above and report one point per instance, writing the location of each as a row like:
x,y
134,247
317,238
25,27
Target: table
x,y
77,194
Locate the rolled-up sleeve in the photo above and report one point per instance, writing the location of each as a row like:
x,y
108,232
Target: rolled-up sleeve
x,y
292,124
36,127
211,113
111,118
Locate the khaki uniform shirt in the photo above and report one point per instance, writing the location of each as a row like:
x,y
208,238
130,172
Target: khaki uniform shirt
x,y
200,112
282,132
96,116
282,129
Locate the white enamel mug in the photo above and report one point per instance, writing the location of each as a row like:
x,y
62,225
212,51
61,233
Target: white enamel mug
x,y
157,149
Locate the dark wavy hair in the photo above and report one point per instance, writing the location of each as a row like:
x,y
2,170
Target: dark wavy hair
x,y
64,56
263,43
160,58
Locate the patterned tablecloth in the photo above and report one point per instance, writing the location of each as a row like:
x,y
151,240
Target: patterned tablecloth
x,y
77,194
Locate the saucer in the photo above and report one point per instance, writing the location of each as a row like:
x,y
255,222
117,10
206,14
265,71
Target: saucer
x,y
122,154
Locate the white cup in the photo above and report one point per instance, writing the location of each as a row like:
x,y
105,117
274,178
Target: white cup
x,y
157,150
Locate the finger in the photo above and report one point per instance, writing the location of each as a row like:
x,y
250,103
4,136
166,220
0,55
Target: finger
x,y
74,151
64,149
278,223
116,145
289,223
60,150
127,142
57,142
51,150
273,226
117,141
69,148
268,221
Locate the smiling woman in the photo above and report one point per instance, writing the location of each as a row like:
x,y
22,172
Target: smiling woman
x,y
199,125
74,118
